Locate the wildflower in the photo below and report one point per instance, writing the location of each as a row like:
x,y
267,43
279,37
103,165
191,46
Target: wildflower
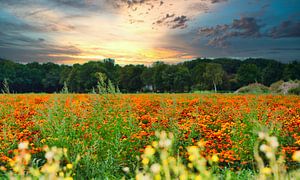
x,y
69,166
183,177
273,142
145,161
262,135
49,155
126,169
192,157
193,149
35,172
269,155
296,156
215,158
23,145
157,177
265,148
149,151
43,141
266,170
154,144
198,177
155,168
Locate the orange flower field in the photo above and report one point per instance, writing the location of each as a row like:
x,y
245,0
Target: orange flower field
x,y
109,132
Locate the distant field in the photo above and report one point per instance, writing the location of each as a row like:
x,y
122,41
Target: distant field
x,y
109,131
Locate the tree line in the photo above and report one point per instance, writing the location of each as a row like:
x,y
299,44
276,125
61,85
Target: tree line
x,y
199,74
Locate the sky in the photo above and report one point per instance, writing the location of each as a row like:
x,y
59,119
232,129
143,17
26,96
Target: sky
x,y
145,31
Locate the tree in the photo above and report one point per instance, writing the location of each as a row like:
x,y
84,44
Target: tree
x,y
147,78
158,69
248,73
292,71
130,78
272,73
214,73
182,79
197,76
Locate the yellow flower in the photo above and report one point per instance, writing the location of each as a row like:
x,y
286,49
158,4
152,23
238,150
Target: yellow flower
x,y
198,177
193,149
154,144
149,151
266,170
183,177
69,166
145,161
157,177
35,172
215,158
296,156
192,157
68,178
43,141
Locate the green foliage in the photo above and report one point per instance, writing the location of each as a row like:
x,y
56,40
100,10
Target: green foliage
x,y
131,79
214,73
248,73
295,90
254,88
105,86
198,74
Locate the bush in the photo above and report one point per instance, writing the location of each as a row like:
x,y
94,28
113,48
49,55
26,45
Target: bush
x,y
275,87
255,88
295,90
285,87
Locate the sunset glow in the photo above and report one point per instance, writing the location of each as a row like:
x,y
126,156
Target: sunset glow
x,y
144,31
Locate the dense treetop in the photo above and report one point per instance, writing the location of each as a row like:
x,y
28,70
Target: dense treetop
x,y
199,74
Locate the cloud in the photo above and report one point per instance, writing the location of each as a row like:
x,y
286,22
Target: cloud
x,y
244,27
217,1
286,29
179,22
173,22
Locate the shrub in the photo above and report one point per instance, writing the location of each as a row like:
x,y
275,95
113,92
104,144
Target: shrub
x,y
253,89
285,87
295,90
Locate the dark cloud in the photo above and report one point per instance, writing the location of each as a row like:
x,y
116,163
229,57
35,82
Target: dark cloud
x,y
173,22
131,3
179,22
164,19
244,27
248,27
215,1
42,53
286,29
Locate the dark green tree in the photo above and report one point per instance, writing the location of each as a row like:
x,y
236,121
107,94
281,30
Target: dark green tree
x,y
248,73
